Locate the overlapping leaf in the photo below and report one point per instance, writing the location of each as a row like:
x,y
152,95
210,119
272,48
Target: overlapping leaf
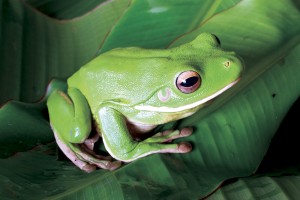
x,y
36,48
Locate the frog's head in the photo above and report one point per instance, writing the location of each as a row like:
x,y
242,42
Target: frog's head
x,y
196,73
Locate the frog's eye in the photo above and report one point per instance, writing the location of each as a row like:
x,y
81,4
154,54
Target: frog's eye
x,y
188,81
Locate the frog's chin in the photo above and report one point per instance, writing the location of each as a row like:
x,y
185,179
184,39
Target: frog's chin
x,y
165,109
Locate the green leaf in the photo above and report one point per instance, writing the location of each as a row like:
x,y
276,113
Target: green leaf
x,y
43,47
17,132
231,136
154,24
65,9
233,139
283,188
24,126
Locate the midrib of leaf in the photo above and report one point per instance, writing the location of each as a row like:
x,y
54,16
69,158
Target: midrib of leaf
x,y
212,10
209,9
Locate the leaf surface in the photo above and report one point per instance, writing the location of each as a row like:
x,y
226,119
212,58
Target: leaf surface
x,y
231,136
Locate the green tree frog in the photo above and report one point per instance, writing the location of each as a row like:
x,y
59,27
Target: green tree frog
x,y
127,92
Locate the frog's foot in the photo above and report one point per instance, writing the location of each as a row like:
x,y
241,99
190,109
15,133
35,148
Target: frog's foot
x,y
84,158
90,142
159,143
169,135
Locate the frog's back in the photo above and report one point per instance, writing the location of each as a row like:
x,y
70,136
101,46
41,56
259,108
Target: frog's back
x,y
119,78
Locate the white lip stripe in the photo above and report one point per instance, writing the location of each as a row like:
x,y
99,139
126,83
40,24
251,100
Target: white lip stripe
x,y
185,107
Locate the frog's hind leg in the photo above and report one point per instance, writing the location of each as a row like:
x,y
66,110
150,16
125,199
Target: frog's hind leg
x,y
84,158
70,119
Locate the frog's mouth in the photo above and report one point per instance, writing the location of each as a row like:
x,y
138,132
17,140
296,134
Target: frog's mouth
x,y
185,107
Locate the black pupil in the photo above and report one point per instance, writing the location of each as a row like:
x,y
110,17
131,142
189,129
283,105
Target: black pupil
x,y
189,81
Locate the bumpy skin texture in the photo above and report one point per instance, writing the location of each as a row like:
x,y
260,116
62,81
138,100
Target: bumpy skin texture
x,y
129,91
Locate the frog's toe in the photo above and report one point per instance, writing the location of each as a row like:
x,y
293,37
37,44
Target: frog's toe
x,y
109,165
91,166
89,152
88,168
84,158
69,152
186,132
169,135
184,147
90,142
113,165
103,162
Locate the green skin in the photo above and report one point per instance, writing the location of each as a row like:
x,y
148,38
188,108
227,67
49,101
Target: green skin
x,y
127,92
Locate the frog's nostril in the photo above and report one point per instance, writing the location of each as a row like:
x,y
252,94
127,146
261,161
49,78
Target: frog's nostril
x,y
227,64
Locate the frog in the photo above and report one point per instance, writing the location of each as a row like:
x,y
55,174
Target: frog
x,y
127,92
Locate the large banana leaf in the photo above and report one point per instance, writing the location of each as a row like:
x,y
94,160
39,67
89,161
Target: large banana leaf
x,y
47,38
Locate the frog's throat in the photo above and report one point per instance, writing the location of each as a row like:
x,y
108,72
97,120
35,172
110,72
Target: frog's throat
x,y
185,107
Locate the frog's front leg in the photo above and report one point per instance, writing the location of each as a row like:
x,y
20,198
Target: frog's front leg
x,y
70,120
122,146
